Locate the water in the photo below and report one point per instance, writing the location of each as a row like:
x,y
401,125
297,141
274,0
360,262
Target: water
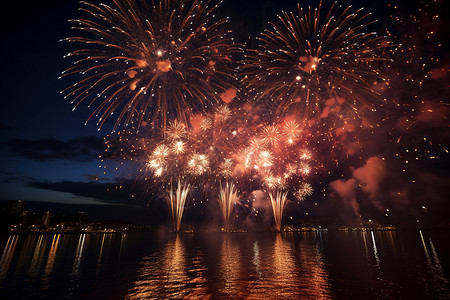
x,y
305,265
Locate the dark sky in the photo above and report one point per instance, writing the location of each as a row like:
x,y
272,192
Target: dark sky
x,y
48,154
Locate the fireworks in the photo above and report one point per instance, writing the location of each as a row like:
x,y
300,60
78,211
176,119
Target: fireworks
x,y
283,164
222,113
227,196
176,130
308,58
270,135
157,161
305,154
166,69
226,157
278,200
169,70
184,151
198,164
265,159
304,168
292,131
176,200
226,168
178,147
304,190
146,62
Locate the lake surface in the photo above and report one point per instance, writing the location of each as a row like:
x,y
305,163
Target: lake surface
x,y
303,265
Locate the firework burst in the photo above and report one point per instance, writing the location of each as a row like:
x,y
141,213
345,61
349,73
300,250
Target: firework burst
x,y
176,130
278,157
292,131
198,164
307,58
223,112
150,61
226,168
303,191
270,135
227,156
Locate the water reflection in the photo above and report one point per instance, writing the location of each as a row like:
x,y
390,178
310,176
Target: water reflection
x,y
314,278
123,242
370,247
38,255
78,255
230,266
50,262
320,283
375,251
174,264
292,268
306,265
283,266
276,269
255,259
435,270
52,255
7,255
165,276
74,276
100,254
365,242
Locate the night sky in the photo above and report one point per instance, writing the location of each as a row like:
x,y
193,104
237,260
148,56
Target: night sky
x,y
49,155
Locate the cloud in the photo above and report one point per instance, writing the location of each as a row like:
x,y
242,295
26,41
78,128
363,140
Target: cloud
x,y
91,177
437,73
386,191
16,178
260,200
78,149
371,175
352,148
119,191
5,127
366,179
196,122
228,95
9,177
346,189
333,106
262,204
433,114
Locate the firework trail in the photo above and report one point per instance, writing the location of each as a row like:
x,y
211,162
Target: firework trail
x,y
278,201
308,58
150,62
227,197
176,200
